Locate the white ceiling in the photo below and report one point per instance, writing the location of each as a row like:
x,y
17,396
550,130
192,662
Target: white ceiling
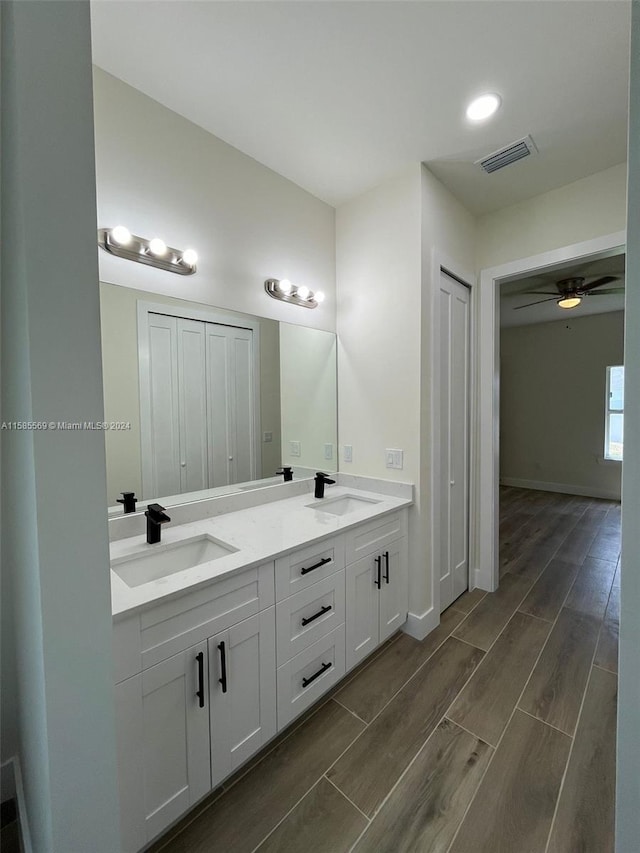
x,y
337,96
512,293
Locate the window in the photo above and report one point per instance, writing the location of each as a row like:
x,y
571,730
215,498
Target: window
x,y
614,425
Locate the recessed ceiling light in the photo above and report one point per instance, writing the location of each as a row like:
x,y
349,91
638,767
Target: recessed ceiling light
x,y
483,107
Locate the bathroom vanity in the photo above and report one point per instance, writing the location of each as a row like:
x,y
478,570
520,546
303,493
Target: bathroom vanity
x,y
233,625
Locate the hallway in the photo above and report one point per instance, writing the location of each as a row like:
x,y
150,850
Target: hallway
x,y
494,734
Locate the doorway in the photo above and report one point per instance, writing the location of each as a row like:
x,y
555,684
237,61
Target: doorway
x,y
485,557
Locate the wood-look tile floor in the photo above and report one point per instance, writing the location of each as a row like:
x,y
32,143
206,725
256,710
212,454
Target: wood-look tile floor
x,y
496,734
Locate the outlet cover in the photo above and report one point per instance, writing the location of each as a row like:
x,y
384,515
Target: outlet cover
x,y
267,437
395,458
328,451
348,453
294,448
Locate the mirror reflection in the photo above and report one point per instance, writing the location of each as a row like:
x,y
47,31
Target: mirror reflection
x,y
212,401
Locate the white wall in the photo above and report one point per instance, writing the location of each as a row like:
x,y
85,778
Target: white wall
x,y
389,244
552,403
378,265
54,539
159,174
582,210
628,775
308,396
448,240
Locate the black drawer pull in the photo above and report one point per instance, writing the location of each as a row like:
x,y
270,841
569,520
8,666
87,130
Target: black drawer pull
x,y
386,570
223,667
200,690
323,562
317,615
307,681
378,581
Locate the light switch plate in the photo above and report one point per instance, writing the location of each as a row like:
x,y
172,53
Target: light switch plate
x,y
294,448
328,452
267,437
394,458
348,453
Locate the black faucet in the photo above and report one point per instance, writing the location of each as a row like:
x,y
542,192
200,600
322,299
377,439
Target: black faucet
x,y
321,481
287,470
129,500
155,517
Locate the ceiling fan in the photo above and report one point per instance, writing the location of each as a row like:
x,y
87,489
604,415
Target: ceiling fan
x,y
572,290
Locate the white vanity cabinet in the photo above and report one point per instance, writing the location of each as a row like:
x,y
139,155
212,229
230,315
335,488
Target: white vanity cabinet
x,y
181,726
376,585
163,745
310,612
242,692
206,677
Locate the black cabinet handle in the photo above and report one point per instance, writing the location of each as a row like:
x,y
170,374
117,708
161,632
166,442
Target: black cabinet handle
x,y
323,562
200,690
307,681
378,581
223,667
317,615
386,564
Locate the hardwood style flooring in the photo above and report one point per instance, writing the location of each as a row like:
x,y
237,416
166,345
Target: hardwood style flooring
x,y
496,734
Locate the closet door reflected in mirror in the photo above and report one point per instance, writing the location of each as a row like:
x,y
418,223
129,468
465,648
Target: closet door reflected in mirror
x,y
207,385
198,405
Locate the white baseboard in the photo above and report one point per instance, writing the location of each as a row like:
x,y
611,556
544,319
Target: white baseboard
x,y
7,781
418,626
564,488
22,809
12,787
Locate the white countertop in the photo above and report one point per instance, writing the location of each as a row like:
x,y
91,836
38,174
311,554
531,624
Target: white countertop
x,y
259,534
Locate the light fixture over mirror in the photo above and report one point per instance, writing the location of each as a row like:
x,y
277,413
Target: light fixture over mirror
x,y
295,294
154,252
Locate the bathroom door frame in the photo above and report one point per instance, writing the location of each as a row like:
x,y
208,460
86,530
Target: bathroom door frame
x,y
145,308
486,574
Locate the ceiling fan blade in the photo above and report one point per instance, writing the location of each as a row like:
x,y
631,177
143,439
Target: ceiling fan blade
x,y
599,282
538,293
539,302
612,290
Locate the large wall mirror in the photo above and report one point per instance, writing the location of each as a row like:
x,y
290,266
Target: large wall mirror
x,y
210,401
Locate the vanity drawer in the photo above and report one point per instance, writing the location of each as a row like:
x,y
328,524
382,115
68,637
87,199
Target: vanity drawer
x,y
181,622
368,538
306,677
308,615
307,566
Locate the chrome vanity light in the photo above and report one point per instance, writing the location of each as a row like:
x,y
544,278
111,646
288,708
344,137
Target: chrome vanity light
x,y
295,294
155,252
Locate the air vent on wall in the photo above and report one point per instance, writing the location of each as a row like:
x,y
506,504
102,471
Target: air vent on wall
x,y
510,154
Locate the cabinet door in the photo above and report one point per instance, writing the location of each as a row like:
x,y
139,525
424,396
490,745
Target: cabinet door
x,y
163,737
242,671
362,610
394,597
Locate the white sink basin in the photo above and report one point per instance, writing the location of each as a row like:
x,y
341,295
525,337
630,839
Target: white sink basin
x,y
161,561
342,505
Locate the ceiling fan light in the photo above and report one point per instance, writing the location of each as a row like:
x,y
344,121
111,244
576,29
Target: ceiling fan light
x,y
569,301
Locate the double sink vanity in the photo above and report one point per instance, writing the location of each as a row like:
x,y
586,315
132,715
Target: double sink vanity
x,y
250,608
